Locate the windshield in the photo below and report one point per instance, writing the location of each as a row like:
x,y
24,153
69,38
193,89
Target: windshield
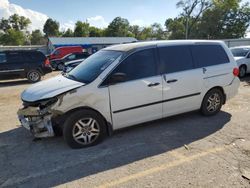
x,y
93,66
240,52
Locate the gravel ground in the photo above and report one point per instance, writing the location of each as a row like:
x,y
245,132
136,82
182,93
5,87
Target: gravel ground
x,y
188,150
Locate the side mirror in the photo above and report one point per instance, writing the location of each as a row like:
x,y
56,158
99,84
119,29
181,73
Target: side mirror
x,y
117,78
248,56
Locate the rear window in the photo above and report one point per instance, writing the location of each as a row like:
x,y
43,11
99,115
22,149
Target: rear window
x,y
34,56
175,58
240,52
208,55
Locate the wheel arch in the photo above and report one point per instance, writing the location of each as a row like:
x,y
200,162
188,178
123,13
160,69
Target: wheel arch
x,y
221,89
109,126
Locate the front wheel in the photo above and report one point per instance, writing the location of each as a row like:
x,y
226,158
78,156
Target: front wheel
x,y
84,128
34,76
212,102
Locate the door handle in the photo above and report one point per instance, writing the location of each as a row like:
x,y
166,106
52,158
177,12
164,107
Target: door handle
x,y
153,84
171,81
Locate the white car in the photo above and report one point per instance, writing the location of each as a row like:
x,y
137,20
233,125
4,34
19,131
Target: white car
x,y
129,84
242,57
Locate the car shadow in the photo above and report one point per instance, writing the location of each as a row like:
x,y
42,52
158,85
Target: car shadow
x,y
50,162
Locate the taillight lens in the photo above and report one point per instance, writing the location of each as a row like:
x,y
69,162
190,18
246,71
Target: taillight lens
x,y
236,71
47,63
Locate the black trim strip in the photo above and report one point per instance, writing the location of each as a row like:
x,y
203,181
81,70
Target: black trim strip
x,y
154,103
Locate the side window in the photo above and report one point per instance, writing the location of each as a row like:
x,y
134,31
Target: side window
x,y
2,57
138,65
73,56
175,58
34,56
14,57
208,55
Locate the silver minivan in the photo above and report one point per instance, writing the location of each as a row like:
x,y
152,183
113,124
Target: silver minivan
x,y
129,84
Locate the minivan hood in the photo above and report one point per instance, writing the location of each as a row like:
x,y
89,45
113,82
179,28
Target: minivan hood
x,y
49,88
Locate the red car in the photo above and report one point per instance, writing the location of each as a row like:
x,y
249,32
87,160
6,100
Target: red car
x,y
62,51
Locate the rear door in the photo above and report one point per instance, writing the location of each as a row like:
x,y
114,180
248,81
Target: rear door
x,y
16,64
213,62
138,99
182,83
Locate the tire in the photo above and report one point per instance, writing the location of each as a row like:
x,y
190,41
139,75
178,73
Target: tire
x,y
84,128
60,66
34,76
212,102
242,71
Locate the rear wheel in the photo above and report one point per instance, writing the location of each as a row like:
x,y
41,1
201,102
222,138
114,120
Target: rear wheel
x,y
60,66
34,76
84,128
212,102
243,71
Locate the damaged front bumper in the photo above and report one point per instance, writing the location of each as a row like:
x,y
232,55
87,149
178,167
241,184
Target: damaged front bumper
x,y
37,121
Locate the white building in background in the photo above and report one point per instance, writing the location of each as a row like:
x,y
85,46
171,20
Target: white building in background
x,y
91,44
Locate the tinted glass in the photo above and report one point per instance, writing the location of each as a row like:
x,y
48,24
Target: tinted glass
x,y
2,57
34,56
138,65
175,58
93,66
14,57
208,55
71,57
240,52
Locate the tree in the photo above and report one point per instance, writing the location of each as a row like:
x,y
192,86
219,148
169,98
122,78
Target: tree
x,y
135,30
81,29
16,22
68,33
13,37
4,25
95,32
226,19
119,27
175,28
157,32
51,28
37,38
192,11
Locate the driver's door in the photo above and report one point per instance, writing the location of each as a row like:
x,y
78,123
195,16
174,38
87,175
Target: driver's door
x,y
138,98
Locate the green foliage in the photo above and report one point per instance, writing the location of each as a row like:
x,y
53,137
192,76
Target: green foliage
x,y
81,29
210,19
37,38
95,32
119,27
15,22
68,33
13,37
51,28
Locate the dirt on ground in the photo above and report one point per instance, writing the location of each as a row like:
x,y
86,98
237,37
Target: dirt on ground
x,y
187,150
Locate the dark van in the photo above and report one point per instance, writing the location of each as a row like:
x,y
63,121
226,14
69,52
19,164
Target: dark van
x,y
23,64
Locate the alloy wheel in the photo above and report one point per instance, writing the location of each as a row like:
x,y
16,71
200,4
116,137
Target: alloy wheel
x,y
86,131
213,102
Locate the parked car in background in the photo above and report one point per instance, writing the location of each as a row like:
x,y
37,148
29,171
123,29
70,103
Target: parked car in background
x,y
23,64
71,65
58,64
128,84
242,57
60,52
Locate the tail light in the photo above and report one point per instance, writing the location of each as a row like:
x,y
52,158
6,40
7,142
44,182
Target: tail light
x,y
47,63
236,72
